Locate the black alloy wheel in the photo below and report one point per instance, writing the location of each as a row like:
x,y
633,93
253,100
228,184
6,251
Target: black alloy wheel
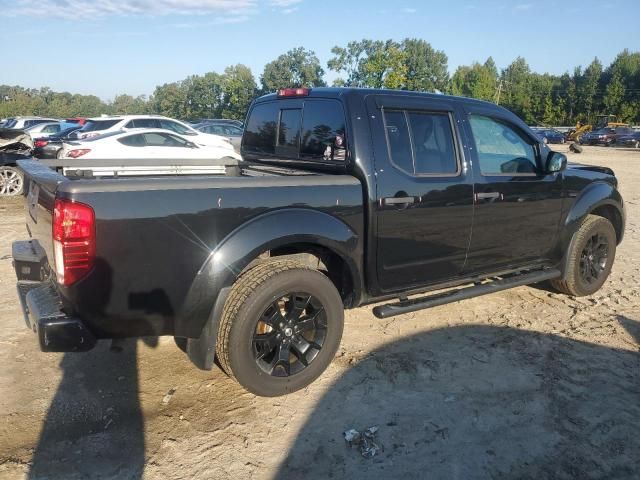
x,y
289,334
593,259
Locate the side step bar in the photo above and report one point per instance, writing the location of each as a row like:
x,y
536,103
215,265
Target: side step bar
x,y
406,306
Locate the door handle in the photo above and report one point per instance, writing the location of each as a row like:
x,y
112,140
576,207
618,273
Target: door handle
x,y
488,196
398,200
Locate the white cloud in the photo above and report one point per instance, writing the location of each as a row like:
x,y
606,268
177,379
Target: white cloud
x,y
524,6
226,9
409,10
288,11
283,3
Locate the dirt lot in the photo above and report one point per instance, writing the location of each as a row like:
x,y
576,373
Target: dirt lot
x,y
520,384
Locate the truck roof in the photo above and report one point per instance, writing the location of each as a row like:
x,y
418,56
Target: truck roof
x,y
337,92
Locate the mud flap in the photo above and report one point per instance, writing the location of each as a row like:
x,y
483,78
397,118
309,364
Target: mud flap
x,y
202,350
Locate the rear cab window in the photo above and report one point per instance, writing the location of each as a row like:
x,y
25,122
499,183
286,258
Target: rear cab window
x,y
312,129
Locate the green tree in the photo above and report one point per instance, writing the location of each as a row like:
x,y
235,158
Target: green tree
x,y
516,79
587,98
170,100
411,65
296,68
238,90
426,68
476,81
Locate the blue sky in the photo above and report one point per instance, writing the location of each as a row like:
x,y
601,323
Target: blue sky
x,y
108,47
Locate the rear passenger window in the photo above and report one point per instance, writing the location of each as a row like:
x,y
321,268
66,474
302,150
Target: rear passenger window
x,y
323,131
421,143
502,150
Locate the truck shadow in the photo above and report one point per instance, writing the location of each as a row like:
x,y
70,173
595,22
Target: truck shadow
x,y
94,426
479,402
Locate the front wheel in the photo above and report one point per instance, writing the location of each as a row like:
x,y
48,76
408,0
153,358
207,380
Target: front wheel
x,y
590,258
281,327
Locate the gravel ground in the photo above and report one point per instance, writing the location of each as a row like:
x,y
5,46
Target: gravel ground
x,y
524,384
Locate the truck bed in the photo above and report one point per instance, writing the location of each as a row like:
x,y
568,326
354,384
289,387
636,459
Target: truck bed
x,y
156,234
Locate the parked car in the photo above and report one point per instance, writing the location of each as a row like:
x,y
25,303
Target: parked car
x,y
22,123
42,130
227,130
14,145
549,135
144,143
228,121
347,197
629,140
605,136
101,125
51,146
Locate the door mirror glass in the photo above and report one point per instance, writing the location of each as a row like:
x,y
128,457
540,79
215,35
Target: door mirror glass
x,y
556,162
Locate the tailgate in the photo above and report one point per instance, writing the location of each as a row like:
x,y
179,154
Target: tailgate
x,y
41,184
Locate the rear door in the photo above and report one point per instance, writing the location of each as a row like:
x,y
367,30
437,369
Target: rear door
x,y
518,206
424,207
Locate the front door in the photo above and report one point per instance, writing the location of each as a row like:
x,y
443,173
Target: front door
x,y
424,205
518,206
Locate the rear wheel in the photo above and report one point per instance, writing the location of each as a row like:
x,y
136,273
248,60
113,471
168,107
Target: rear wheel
x,y
11,181
281,327
590,258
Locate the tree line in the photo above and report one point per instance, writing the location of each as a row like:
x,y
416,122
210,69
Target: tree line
x,y
412,64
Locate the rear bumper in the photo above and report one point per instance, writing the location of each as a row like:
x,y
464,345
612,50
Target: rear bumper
x,y
42,308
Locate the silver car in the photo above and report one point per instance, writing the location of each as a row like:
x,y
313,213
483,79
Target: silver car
x,y
232,132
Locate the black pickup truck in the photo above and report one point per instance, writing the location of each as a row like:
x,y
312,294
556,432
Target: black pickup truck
x,y
345,197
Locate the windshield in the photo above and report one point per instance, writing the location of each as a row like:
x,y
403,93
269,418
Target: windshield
x,y
10,123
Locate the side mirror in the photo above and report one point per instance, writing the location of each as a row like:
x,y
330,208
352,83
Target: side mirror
x,y
556,162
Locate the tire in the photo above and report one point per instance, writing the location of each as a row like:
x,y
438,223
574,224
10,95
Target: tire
x,y
259,342
11,181
60,154
586,260
574,147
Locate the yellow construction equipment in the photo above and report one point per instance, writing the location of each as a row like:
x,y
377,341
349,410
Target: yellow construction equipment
x,y
602,121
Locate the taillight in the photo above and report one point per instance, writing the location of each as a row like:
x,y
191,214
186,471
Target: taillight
x,y
40,143
74,240
78,152
294,92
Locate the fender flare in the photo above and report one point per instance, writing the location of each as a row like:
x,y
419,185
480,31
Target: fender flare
x,y
265,232
596,195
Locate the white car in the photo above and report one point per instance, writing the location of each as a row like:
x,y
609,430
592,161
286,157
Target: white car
x,y
26,122
145,144
107,124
